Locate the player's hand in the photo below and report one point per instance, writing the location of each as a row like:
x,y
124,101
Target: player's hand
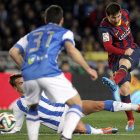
x,y
93,74
129,51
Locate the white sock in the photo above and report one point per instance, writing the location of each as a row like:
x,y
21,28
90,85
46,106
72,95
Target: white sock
x,y
33,124
91,130
119,106
72,118
96,131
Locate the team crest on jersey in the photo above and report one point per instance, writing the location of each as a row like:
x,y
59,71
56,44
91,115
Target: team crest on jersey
x,y
127,23
105,37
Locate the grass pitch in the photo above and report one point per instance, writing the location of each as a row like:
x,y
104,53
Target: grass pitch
x,y
101,120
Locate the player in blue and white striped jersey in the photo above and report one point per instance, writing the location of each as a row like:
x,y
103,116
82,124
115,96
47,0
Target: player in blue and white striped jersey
x,y
53,115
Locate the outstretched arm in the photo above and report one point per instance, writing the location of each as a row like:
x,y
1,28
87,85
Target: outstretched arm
x,y
77,57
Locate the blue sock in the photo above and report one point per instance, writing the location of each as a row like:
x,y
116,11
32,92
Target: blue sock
x,y
88,129
109,105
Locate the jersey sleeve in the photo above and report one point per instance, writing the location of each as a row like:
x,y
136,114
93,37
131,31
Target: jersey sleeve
x,y
68,36
126,13
22,44
108,44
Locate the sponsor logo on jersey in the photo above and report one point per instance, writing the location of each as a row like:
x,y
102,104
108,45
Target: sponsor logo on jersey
x,y
31,59
126,33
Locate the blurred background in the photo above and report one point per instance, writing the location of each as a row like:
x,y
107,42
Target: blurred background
x,y
18,17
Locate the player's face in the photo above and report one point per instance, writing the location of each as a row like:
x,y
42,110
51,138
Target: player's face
x,y
115,19
19,83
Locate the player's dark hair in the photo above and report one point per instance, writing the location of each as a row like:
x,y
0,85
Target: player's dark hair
x,y
13,78
53,14
112,8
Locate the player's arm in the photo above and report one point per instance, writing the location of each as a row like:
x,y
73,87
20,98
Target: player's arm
x,y
77,57
18,50
107,43
16,56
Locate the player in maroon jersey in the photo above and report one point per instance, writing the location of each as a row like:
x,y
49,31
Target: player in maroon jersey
x,y
123,53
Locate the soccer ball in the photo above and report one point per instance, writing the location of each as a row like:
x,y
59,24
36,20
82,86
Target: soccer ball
x,y
7,121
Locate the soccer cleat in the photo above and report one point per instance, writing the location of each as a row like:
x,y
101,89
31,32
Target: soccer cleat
x,y
63,138
110,130
138,108
110,83
130,125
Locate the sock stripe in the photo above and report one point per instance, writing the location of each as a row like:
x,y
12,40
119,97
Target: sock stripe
x,y
77,107
75,113
88,129
109,105
124,98
34,120
124,68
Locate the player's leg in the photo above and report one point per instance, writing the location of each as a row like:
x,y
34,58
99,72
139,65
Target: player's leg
x,y
108,105
73,116
125,97
87,129
90,106
32,97
126,65
59,89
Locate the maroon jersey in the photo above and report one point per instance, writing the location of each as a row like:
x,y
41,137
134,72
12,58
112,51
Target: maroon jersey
x,y
116,39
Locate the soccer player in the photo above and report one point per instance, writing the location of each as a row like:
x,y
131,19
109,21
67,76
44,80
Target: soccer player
x,y
40,70
123,53
53,115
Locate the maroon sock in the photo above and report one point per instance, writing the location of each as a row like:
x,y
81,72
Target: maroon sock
x,y
121,73
126,99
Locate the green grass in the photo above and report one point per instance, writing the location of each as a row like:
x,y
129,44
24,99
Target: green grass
x,y
101,119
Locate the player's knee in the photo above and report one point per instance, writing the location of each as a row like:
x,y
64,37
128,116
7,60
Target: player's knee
x,y
75,100
125,62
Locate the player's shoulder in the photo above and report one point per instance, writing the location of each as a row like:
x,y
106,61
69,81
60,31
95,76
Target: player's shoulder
x,y
104,22
125,12
105,26
64,30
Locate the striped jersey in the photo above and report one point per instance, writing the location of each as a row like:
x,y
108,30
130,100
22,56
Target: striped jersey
x,y
116,39
51,115
41,48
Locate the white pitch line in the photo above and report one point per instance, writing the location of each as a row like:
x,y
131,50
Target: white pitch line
x,y
80,134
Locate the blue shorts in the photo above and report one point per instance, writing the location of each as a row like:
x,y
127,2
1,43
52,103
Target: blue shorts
x,y
134,60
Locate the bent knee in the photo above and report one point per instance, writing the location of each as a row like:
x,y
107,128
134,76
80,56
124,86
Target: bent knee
x,y
125,62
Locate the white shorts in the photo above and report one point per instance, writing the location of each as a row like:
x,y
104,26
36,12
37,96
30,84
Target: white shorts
x,y
58,89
